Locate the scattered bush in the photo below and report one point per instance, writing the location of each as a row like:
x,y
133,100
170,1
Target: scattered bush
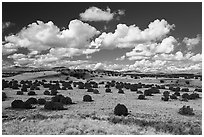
x,y
53,106
90,90
46,92
165,98
53,92
166,93
31,93
139,92
120,109
87,98
32,101
19,93
41,101
173,96
4,96
186,110
185,95
141,97
148,92
193,96
108,90
121,91
66,100
17,104
95,91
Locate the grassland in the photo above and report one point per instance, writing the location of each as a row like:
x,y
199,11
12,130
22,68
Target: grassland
x,y
151,116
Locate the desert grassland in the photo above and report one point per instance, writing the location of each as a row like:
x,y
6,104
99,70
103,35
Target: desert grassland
x,y
151,116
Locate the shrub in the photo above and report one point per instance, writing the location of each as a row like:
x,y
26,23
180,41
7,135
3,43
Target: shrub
x,y
31,93
53,106
95,91
141,97
32,101
66,100
17,104
53,92
121,91
161,81
120,109
46,92
177,93
27,105
90,90
139,92
41,101
185,90
165,98
19,93
148,92
108,90
185,95
173,96
193,96
57,98
4,96
186,110
87,98
166,93
198,90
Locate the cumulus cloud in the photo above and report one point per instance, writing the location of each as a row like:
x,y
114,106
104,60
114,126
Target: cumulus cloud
x,y
97,14
127,36
192,42
121,58
197,57
8,48
144,51
41,36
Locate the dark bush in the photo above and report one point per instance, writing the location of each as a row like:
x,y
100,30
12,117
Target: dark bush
x,y
53,92
46,92
53,106
121,91
148,92
141,97
177,93
17,104
193,96
4,96
166,93
41,101
27,105
57,98
95,91
185,95
120,110
165,98
173,96
161,81
32,101
139,92
66,100
31,93
186,110
108,90
19,93
198,90
87,98
90,90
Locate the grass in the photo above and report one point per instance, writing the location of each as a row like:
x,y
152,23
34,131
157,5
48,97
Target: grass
x,y
96,125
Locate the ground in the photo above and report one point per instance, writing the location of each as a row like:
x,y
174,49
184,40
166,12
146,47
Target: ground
x,y
97,117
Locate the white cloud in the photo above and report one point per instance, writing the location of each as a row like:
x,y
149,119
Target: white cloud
x,y
41,36
8,48
97,14
121,58
127,36
192,42
144,51
197,57
167,45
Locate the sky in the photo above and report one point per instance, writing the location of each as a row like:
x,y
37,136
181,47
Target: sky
x,y
147,37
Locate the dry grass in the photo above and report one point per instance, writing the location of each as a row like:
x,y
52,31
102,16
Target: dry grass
x,y
151,116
